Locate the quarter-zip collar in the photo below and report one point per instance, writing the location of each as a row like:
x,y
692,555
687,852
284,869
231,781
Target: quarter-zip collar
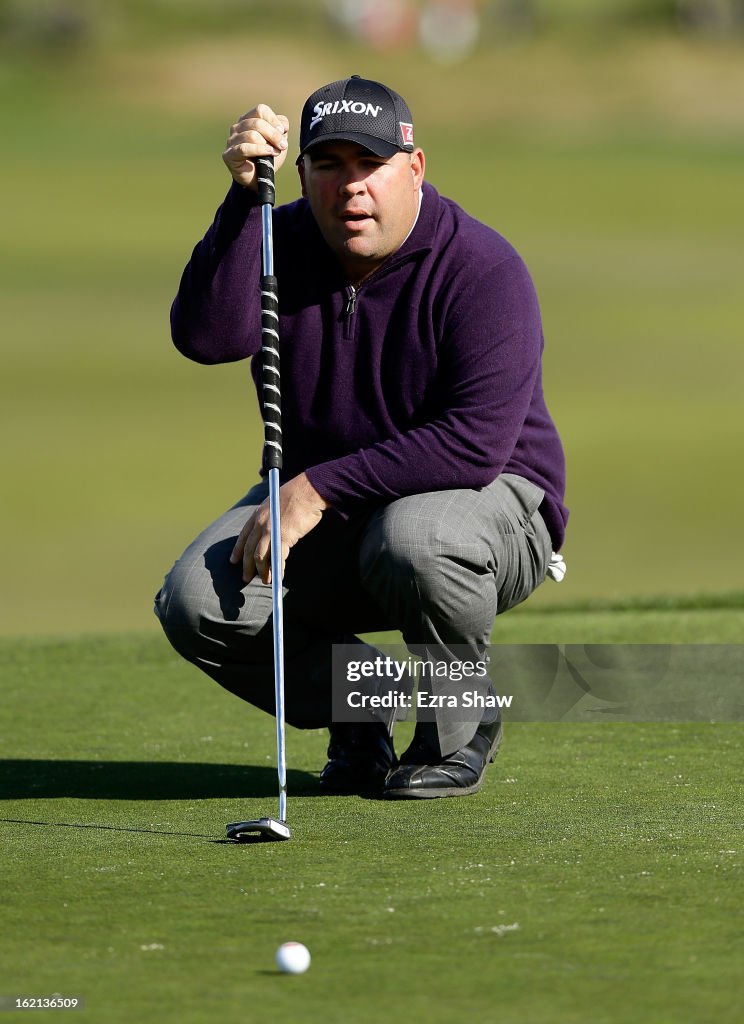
x,y
353,290
419,239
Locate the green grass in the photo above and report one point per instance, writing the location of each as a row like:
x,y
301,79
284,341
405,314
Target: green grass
x,y
695,620
594,877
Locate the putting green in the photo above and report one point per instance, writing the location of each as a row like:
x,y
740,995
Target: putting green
x,y
596,876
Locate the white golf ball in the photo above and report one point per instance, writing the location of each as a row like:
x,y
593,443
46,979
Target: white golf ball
x,y
293,958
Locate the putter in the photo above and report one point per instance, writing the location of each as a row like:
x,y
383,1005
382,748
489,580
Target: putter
x,y
267,829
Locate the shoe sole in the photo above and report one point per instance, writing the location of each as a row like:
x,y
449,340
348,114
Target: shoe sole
x,y
432,794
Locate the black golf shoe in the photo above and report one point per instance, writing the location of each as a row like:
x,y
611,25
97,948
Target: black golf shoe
x,y
359,758
421,775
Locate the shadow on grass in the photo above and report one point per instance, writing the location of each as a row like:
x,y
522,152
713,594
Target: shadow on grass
x,y
102,828
30,779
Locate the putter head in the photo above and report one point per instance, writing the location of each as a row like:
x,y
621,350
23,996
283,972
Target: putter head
x,y
262,830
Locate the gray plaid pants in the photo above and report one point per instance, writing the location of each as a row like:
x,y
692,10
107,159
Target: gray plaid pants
x,y
438,567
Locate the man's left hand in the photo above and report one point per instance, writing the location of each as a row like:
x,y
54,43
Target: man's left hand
x,y
301,509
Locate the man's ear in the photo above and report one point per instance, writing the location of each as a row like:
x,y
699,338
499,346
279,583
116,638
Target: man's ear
x,y
301,172
418,165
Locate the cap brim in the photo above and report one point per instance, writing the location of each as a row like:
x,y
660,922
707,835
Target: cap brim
x,y
377,146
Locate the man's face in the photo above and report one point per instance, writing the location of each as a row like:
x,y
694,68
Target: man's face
x,y
365,205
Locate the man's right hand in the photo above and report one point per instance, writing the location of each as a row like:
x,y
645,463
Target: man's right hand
x,y
260,132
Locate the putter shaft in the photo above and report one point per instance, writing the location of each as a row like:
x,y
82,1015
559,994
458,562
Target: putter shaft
x,y
277,611
269,828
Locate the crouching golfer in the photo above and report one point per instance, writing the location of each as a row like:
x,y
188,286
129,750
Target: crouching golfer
x,y
423,478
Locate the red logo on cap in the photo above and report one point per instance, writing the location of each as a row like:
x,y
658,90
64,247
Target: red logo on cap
x,y
407,133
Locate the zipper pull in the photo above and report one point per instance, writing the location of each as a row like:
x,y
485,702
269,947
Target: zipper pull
x,y
350,302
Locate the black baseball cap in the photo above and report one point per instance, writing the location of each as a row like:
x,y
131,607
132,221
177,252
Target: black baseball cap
x,y
357,110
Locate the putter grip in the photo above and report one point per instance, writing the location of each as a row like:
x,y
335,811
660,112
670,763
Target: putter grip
x,y
265,173
270,377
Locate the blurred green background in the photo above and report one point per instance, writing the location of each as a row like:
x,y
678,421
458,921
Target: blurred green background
x,y
605,140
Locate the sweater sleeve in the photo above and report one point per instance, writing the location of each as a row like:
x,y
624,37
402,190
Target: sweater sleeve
x,y
215,317
489,362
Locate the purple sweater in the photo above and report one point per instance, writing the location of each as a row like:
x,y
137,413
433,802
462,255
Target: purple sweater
x,y
428,377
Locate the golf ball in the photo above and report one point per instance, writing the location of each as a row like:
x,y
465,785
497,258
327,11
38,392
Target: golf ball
x,y
293,958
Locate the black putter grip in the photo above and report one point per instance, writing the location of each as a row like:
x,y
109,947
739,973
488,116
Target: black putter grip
x,y
270,377
265,175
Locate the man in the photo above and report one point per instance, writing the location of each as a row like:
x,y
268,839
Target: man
x,y
423,477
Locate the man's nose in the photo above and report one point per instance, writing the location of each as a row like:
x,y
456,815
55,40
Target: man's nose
x,y
353,183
